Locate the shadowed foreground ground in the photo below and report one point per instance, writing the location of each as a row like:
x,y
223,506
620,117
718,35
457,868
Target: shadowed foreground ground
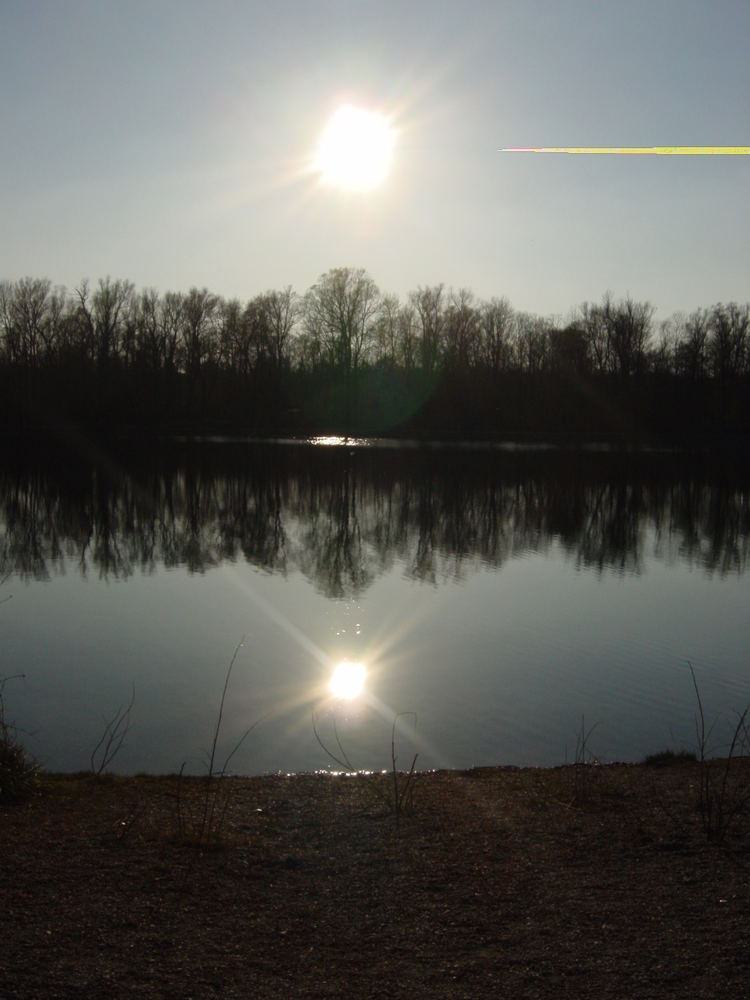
x,y
499,882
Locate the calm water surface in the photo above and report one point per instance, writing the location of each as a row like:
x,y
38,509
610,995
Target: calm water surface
x,y
499,594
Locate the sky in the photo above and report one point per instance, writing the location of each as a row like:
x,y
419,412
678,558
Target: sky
x,y
170,144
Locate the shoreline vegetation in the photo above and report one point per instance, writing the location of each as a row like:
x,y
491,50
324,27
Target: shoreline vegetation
x,y
346,358
498,881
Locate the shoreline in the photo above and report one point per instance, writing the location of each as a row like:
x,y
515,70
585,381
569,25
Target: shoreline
x,y
72,435
496,881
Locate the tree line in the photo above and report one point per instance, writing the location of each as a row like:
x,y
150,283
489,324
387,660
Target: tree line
x,y
345,356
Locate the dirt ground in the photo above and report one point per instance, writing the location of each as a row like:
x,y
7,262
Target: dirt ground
x,y
493,882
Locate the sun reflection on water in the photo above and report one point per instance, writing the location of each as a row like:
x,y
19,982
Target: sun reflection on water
x,y
337,441
347,680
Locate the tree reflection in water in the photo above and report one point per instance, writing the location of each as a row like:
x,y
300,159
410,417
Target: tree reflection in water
x,y
342,516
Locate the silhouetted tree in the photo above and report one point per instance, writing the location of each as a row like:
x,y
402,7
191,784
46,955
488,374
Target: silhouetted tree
x,y
728,343
346,356
429,306
341,309
595,330
109,304
197,339
628,326
691,356
340,313
727,356
531,342
26,321
496,322
386,340
461,330
283,309
567,350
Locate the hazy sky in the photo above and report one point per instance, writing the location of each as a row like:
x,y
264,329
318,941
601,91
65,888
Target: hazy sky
x,y
167,143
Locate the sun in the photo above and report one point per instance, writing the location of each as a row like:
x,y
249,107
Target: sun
x,y
354,152
347,680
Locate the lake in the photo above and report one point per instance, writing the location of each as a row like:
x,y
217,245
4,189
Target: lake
x,y
501,594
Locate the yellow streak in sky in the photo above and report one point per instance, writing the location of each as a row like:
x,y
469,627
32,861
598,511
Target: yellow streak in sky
x,y
636,150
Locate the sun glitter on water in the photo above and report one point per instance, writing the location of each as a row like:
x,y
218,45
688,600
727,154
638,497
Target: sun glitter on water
x,y
347,680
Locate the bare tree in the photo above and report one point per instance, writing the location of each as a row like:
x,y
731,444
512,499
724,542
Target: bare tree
x,y
496,319
197,329
340,313
256,331
628,326
663,356
85,328
567,349
461,329
408,338
170,326
24,313
283,310
232,351
396,339
386,339
148,346
691,353
53,330
531,342
7,324
728,340
109,303
592,322
429,306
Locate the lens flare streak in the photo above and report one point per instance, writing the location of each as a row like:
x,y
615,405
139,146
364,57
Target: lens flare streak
x,y
635,150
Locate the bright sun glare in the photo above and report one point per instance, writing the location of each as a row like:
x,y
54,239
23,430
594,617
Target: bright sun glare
x,y
355,150
347,681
